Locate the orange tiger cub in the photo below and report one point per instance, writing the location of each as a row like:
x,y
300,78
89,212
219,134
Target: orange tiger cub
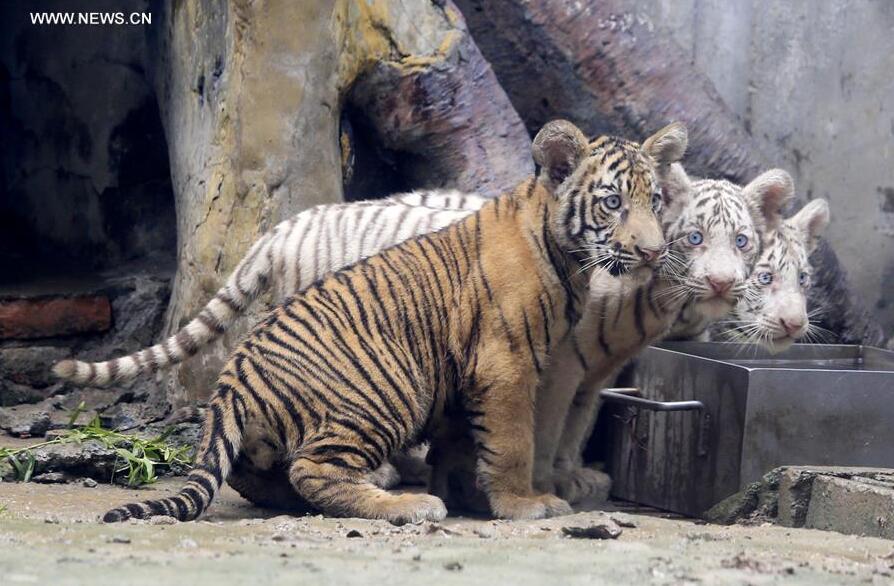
x,y
365,362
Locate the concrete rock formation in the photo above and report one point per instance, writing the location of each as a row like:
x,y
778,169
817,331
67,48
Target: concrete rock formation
x,y
858,501
252,96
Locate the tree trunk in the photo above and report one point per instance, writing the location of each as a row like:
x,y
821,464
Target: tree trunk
x,y
252,93
600,66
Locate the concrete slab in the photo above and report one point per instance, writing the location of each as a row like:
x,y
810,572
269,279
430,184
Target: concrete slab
x,y
856,501
857,506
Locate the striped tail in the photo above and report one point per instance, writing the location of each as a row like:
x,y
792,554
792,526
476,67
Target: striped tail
x,y
221,442
246,283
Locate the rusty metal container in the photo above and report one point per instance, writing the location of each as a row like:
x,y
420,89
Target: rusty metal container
x,y
706,419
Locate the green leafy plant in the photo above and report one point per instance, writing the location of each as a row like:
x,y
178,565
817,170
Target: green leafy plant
x,y
140,458
25,469
75,413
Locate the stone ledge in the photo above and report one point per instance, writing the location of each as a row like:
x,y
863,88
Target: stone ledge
x,y
856,506
854,500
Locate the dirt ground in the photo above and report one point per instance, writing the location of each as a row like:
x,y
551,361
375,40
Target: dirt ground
x,y
50,534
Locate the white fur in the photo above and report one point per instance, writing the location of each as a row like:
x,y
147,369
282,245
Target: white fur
x,y
560,430
765,309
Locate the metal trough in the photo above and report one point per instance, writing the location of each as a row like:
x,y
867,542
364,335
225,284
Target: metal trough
x,y
706,419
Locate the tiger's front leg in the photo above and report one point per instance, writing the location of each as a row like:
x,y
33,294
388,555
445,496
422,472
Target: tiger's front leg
x,y
571,479
502,422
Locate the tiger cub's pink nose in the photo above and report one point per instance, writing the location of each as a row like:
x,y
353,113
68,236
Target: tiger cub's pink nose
x,y
650,255
792,326
720,285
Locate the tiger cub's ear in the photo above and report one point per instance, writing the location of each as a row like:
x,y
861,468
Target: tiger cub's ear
x,y
558,149
812,221
676,189
666,147
766,195
668,144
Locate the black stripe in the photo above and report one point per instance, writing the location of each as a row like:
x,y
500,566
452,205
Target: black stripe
x,y
198,501
134,510
157,508
263,375
601,330
187,342
327,450
182,510
530,340
331,368
209,321
638,314
204,483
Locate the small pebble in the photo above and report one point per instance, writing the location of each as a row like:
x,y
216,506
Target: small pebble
x,y
623,522
51,478
353,533
51,519
118,539
89,483
188,543
486,531
440,530
453,566
607,530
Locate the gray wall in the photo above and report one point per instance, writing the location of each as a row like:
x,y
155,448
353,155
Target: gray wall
x,y
813,80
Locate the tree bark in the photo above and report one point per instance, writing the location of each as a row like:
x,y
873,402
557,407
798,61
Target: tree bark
x,y
251,95
600,66
597,64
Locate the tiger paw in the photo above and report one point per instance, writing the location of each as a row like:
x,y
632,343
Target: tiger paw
x,y
579,484
537,507
413,508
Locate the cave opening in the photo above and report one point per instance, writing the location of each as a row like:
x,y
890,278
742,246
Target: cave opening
x,y
369,169
64,217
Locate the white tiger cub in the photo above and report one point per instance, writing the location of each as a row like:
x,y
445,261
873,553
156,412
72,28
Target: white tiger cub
x,y
288,258
773,311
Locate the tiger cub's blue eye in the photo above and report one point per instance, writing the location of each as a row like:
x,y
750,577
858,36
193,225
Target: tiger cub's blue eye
x,y
656,202
803,278
612,202
741,241
765,278
696,238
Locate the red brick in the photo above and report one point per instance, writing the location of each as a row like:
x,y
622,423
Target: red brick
x,y
60,316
